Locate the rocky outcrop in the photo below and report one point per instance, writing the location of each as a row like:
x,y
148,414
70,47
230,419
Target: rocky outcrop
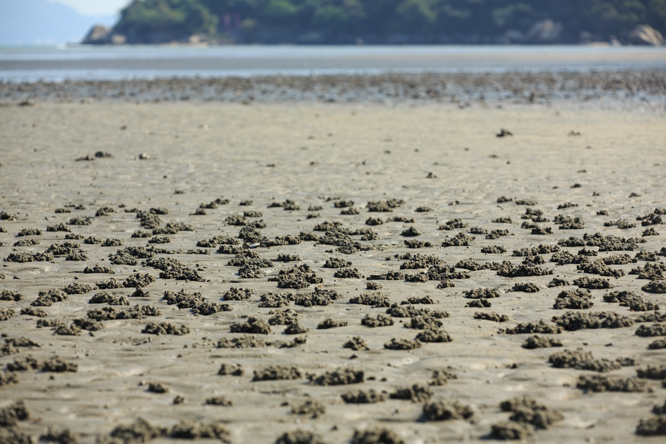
x,y
101,35
544,31
97,35
645,35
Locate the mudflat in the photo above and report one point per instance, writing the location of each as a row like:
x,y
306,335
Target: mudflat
x,y
331,273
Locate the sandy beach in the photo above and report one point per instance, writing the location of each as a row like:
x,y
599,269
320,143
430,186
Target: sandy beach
x,y
434,248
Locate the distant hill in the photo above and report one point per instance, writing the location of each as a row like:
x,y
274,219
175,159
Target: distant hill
x,y
389,21
29,22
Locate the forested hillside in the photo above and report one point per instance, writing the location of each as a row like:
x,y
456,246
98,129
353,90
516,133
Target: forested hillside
x,y
387,21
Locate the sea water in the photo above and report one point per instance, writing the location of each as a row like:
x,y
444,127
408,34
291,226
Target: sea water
x,y
59,63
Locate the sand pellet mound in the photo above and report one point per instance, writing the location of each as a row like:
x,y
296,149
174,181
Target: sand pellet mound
x,y
339,377
277,373
601,383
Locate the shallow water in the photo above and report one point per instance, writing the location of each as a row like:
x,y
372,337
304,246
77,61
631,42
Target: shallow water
x,y
147,62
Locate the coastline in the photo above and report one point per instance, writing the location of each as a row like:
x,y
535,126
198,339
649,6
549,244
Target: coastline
x,y
625,89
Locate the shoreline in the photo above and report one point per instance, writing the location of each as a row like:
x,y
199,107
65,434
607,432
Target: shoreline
x,y
625,89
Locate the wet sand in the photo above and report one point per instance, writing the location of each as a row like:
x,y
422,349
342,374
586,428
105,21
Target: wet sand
x,y
433,163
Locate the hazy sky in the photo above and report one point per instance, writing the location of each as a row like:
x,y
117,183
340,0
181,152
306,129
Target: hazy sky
x,y
95,7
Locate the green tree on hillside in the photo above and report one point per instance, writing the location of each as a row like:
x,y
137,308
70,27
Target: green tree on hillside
x,y
181,18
